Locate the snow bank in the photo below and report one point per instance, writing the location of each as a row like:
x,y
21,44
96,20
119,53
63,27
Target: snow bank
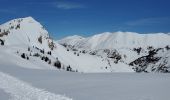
x,y
20,90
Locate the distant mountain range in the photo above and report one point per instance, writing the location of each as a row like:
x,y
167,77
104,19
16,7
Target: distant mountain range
x,y
118,40
107,52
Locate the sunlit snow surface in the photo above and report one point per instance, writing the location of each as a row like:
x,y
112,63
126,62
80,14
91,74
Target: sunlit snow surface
x,y
27,36
118,40
33,79
27,82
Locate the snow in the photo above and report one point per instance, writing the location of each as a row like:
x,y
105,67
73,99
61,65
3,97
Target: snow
x,y
20,90
4,95
124,43
72,39
119,40
78,86
34,79
9,54
90,86
28,33
87,63
30,30
27,36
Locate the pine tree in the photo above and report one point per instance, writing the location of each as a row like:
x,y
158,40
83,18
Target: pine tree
x,y
46,59
49,52
40,39
2,42
42,58
23,55
28,48
18,26
57,64
69,68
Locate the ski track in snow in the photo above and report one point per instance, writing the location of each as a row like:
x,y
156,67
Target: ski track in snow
x,y
20,90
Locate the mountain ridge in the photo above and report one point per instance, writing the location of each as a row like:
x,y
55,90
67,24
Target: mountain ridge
x,y
143,52
119,40
29,40
106,52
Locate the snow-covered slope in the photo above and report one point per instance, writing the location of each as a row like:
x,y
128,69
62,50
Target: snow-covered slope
x,y
28,39
25,31
19,83
84,62
72,40
122,47
32,64
117,40
106,52
22,79
20,90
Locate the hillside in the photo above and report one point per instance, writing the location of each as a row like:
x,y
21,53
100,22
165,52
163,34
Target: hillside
x,y
33,66
106,52
29,40
126,48
118,40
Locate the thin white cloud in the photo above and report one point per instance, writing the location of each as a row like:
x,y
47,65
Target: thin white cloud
x,y
57,4
68,5
149,21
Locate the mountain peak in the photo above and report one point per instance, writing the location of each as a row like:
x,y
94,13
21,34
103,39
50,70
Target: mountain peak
x,y
26,18
29,19
25,31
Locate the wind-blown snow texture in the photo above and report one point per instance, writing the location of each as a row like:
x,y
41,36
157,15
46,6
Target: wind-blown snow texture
x,y
22,91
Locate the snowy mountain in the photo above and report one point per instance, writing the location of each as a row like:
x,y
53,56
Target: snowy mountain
x,y
29,40
25,31
118,40
17,82
126,48
106,52
35,67
25,45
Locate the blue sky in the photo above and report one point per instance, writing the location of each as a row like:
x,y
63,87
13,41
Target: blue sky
x,y
87,17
